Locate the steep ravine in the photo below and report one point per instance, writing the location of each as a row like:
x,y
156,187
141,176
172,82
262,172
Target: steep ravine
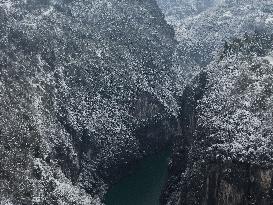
x,y
144,184
182,143
199,176
155,138
89,87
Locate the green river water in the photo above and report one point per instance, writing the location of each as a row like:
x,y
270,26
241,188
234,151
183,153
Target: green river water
x,y
144,185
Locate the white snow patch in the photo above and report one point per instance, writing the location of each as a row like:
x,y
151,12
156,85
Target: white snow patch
x,y
269,20
269,59
40,61
99,52
6,3
228,14
46,13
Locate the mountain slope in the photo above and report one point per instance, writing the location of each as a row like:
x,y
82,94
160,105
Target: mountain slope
x,y
72,76
203,27
224,73
89,87
224,154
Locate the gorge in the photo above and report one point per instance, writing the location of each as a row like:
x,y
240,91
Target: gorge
x,y
92,89
144,185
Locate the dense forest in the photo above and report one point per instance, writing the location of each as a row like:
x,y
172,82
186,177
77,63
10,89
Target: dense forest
x,y
90,87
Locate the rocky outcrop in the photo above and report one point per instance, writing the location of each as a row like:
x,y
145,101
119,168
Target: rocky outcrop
x,y
228,183
238,183
224,120
224,153
183,143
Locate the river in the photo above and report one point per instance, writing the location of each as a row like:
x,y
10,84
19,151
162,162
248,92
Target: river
x,y
144,185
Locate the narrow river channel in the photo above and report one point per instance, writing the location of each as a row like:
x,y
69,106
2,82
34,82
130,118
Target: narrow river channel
x,y
144,185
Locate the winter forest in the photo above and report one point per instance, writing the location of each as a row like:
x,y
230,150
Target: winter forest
x,y
136,102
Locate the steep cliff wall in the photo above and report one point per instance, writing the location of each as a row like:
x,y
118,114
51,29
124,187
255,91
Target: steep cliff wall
x,y
224,155
223,69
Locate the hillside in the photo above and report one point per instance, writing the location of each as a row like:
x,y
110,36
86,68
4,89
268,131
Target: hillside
x,y
78,78
223,155
88,88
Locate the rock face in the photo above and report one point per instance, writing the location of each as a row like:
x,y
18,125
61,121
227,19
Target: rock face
x,y
79,82
238,183
225,145
224,154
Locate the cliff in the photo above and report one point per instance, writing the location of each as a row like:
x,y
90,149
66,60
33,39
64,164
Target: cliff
x,y
223,69
224,154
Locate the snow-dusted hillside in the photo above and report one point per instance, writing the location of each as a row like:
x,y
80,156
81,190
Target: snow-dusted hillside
x,y
224,60
236,111
72,76
89,86
203,26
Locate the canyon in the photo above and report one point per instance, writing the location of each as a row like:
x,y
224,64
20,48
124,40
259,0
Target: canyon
x,y
89,89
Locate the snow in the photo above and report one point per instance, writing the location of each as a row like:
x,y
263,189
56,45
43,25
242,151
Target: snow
x,y
73,76
48,12
269,59
234,107
269,20
80,74
7,4
228,14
